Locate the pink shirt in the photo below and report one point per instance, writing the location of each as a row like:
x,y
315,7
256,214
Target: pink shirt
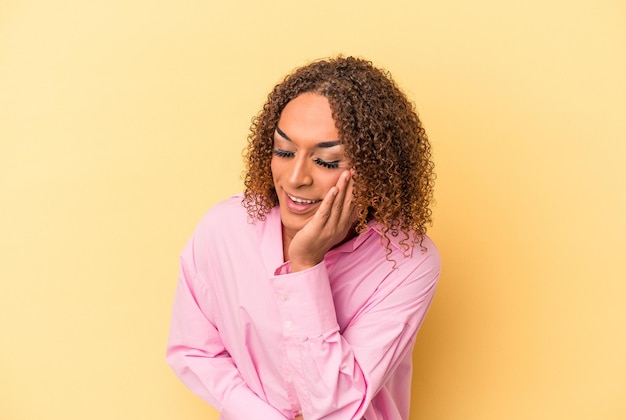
x,y
332,342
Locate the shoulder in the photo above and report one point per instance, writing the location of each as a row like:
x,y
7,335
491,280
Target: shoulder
x,y
417,269
220,231
413,260
224,214
230,206
225,222
426,254
401,257
407,248
426,248
416,252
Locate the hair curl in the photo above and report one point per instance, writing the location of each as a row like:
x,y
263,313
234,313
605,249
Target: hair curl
x,y
382,136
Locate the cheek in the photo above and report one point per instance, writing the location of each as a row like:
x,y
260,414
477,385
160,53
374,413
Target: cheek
x,y
329,180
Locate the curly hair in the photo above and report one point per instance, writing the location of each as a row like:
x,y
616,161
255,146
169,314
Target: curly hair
x,y
382,136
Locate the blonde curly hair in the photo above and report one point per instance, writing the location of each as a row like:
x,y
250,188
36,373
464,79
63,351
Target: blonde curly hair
x,y
381,134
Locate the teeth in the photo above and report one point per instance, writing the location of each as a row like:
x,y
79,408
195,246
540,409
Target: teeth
x,y
301,200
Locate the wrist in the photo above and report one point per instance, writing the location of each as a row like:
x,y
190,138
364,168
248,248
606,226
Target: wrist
x,y
297,265
300,266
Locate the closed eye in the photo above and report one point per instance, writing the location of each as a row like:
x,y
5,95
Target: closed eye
x,y
283,153
330,165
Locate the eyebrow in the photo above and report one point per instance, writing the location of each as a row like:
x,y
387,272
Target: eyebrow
x,y
323,145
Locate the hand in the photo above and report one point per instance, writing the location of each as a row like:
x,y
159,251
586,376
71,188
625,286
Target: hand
x,y
299,418
328,226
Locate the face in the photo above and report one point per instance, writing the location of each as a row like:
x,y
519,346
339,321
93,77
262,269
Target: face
x,y
307,160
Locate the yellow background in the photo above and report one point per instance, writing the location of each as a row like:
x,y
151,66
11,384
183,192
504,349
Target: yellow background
x,y
121,122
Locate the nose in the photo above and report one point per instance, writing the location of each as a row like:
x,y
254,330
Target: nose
x,y
301,171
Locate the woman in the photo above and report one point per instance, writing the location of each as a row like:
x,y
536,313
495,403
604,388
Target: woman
x,y
302,297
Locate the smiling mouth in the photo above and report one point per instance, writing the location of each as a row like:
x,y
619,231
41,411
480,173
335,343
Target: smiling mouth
x,y
301,200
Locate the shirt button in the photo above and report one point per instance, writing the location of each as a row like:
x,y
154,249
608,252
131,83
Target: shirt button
x,y
288,325
282,297
289,378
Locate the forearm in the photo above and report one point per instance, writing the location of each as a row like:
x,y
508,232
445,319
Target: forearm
x,y
196,354
217,381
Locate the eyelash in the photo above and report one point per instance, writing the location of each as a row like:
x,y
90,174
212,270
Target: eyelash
x,y
330,165
283,153
286,154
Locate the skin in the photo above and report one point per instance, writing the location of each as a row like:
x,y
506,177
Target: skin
x,y
315,200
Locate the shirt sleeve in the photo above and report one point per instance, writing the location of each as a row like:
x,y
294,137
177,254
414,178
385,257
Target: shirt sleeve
x,y
196,354
337,373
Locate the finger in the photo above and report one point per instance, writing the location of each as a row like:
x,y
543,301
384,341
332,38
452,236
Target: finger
x,y
324,211
345,194
349,209
338,204
348,213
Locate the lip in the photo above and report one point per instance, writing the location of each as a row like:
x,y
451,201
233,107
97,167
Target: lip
x,y
297,207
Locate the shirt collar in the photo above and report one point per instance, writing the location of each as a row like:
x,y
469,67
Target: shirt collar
x,y
375,228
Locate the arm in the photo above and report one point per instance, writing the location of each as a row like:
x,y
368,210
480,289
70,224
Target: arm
x,y
196,353
340,372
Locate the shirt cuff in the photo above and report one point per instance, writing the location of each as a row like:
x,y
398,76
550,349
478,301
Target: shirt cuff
x,y
305,301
